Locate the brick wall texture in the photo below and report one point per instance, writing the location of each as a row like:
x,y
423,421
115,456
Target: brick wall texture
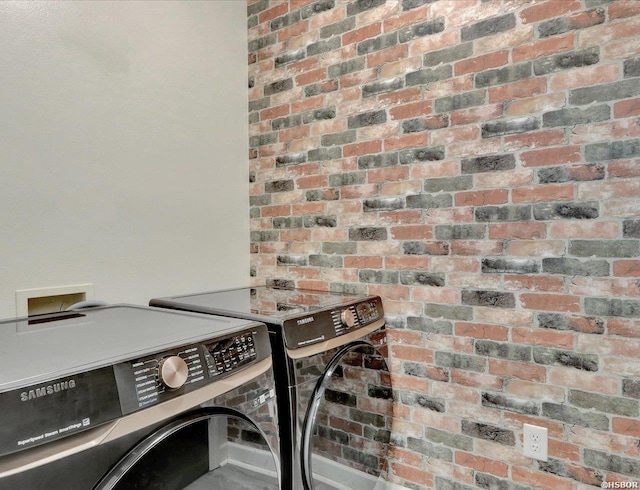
x,y
477,164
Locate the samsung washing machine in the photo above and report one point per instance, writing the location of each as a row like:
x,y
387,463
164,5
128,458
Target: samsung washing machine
x,y
127,397
332,381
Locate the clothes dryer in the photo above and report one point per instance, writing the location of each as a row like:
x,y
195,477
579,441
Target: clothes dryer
x,y
127,397
332,381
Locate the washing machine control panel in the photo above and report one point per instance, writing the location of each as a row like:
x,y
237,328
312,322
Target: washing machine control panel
x,y
323,325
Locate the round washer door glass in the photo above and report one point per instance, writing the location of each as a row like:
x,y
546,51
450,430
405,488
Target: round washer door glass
x,y
347,428
196,452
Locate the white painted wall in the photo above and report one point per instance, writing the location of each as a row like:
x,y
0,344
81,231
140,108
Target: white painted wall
x,y
123,147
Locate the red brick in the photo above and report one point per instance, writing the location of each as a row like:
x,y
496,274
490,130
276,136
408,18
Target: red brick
x,y
361,34
365,148
481,331
485,465
406,18
401,96
294,133
540,103
551,156
543,193
550,284
549,338
627,427
282,210
519,370
521,231
311,76
394,53
277,11
452,135
550,302
534,139
476,114
589,75
406,141
406,263
624,8
540,479
523,88
481,198
626,268
387,174
412,474
627,108
481,63
543,47
578,229
476,247
293,30
548,9
274,112
412,110
400,217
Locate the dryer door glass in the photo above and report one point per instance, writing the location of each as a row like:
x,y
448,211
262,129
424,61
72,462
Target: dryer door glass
x,y
347,427
205,449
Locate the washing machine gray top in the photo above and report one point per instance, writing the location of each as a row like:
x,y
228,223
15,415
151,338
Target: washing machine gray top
x,y
40,348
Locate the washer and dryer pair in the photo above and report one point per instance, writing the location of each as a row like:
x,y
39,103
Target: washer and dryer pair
x,y
252,388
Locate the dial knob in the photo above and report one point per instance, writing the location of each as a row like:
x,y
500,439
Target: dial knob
x,y
347,318
173,372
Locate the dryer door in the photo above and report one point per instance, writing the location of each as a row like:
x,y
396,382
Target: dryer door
x,y
347,427
196,451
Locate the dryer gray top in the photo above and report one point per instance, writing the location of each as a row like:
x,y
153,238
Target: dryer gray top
x,y
38,349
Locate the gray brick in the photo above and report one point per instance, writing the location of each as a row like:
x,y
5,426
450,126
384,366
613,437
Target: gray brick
x,y
428,201
321,88
319,115
253,271
612,462
257,7
498,76
290,57
463,313
631,228
382,86
377,435
320,221
604,248
316,8
626,308
286,122
557,357
574,115
503,213
281,283
631,388
449,184
579,173
378,276
429,450
260,200
488,27
328,261
379,160
413,4
565,61
490,482
488,432
510,266
424,154
560,25
631,68
500,350
252,21
279,186
575,267
334,435
425,248
361,458
419,370
265,236
322,195
603,403
351,178
259,104
285,20
449,439
287,222
460,361
350,66
614,150
367,119
290,159
435,404
263,42
359,289
324,46
444,484
419,278
624,89
338,28
278,86
460,232
263,140
425,123
492,299
509,403
339,248
573,416
366,417
596,3
382,204
566,210
428,75
377,43
428,325
362,6
337,139
558,321
296,260
368,234
448,55
493,163
324,154
510,126
460,101
415,31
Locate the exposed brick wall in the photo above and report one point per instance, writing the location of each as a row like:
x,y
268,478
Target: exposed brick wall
x,y
477,164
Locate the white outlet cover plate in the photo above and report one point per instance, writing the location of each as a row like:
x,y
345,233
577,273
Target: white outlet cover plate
x,y
535,442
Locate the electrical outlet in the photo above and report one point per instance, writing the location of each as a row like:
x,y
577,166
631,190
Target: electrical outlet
x,y
535,442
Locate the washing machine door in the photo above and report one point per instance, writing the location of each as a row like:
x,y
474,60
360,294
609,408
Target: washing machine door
x,y
194,452
347,428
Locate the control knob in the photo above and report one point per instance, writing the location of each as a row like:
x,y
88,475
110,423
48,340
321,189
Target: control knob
x,y
173,372
348,318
